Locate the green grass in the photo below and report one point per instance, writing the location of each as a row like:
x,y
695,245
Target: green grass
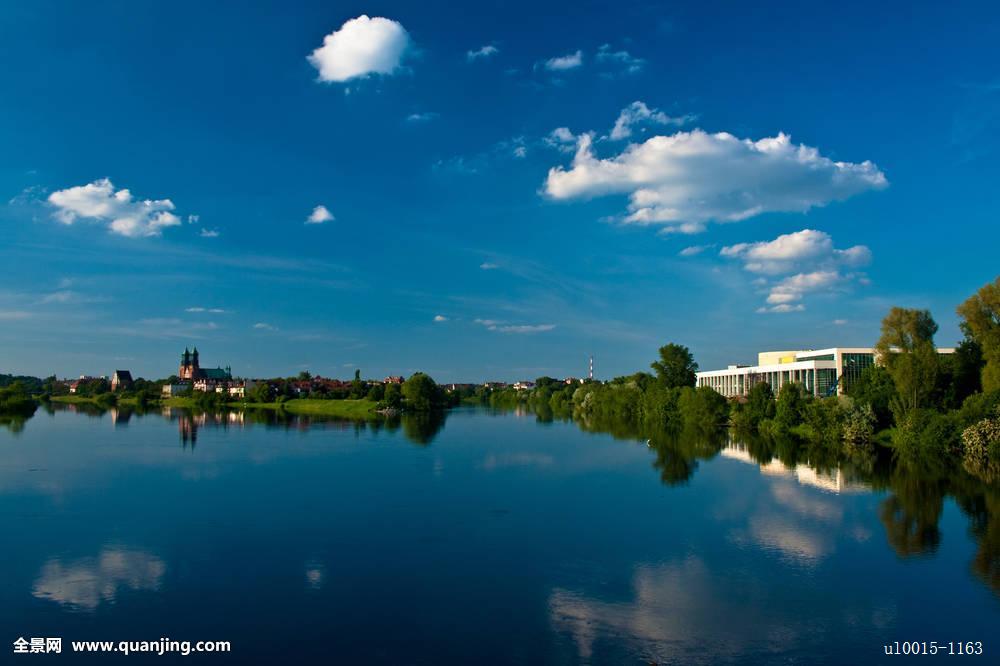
x,y
352,409
72,399
85,399
177,401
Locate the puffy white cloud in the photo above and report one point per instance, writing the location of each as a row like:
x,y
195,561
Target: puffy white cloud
x,y
808,260
690,178
784,296
637,113
201,309
839,322
440,318
482,53
361,47
788,252
693,250
209,233
504,327
319,215
487,266
263,326
566,62
99,201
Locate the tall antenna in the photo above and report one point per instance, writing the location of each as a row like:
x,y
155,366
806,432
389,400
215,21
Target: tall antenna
x,y
591,375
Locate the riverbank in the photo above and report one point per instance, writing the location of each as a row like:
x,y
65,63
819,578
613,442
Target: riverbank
x,y
85,400
342,408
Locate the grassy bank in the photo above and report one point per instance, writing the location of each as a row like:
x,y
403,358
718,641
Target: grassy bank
x,y
85,399
343,408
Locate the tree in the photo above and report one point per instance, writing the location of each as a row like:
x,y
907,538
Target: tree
x,y
876,389
261,392
393,397
676,367
760,403
421,393
790,408
981,313
907,350
376,392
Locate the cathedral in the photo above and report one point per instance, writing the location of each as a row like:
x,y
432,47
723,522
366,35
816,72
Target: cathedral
x,y
190,370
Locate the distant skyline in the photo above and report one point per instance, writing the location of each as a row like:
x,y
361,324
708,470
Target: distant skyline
x,y
495,192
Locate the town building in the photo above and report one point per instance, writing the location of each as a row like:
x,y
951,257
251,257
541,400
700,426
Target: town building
x,y
74,385
524,386
207,380
171,390
822,372
393,379
121,379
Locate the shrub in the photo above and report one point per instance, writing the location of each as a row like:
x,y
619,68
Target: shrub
x,y
926,435
981,448
702,407
859,426
15,401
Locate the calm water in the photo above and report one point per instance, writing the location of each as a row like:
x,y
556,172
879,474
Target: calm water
x,y
486,538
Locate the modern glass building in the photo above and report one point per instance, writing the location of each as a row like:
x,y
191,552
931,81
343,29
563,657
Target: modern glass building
x,y
821,372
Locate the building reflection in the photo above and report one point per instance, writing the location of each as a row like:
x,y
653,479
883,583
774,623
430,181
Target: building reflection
x,y
834,480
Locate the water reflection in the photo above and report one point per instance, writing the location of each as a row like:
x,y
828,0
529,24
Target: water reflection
x,y
796,526
684,612
419,428
84,583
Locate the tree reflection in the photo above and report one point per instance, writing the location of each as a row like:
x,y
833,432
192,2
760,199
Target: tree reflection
x,y
421,427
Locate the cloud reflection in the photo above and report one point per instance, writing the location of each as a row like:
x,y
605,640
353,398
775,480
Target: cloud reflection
x,y
86,582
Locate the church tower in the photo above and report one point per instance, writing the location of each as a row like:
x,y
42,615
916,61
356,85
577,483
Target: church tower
x,y
189,365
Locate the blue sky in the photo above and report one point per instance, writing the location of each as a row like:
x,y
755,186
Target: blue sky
x,y
506,188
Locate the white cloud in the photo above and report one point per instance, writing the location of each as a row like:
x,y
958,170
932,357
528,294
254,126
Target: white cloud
x,y
808,260
487,266
262,326
422,117
629,62
562,139
690,178
209,233
789,252
839,322
201,309
784,296
637,113
482,53
566,62
99,201
693,250
440,318
363,46
319,215
504,327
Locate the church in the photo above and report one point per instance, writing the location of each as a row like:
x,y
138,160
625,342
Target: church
x,y
190,370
